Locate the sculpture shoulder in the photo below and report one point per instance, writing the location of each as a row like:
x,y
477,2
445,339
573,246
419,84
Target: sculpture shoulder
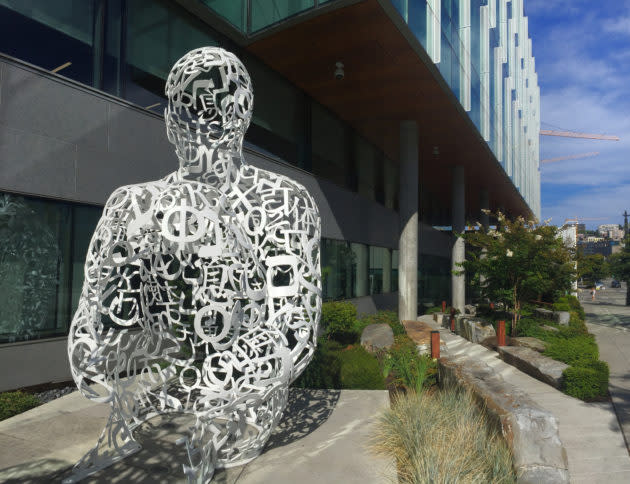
x,y
271,181
122,197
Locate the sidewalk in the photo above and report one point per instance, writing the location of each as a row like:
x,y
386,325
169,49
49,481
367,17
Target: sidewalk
x,y
590,432
322,437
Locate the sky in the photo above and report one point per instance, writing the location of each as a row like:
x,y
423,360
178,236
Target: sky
x,y
582,52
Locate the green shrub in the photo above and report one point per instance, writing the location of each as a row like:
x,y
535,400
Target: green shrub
x,y
408,368
576,351
587,382
574,304
324,370
339,319
360,370
561,306
13,403
385,317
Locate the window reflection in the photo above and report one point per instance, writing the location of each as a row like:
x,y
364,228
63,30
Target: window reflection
x,y
50,33
39,265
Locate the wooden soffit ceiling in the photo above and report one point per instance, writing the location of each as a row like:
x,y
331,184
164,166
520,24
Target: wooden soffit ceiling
x,y
388,79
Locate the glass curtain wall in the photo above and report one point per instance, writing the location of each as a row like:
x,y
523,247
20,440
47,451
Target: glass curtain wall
x,y
352,270
52,34
42,253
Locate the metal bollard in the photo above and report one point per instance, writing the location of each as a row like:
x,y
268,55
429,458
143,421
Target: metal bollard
x,y
453,320
435,344
501,333
443,306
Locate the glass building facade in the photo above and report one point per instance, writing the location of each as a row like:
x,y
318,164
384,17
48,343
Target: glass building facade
x,y
483,51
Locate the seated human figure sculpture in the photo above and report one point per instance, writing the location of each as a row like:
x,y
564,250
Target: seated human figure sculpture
x,y
202,290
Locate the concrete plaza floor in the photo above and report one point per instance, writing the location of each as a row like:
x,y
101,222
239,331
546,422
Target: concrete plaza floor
x,y
323,437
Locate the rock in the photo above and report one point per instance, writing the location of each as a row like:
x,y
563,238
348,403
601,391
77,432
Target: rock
x,y
545,313
562,317
533,363
531,343
420,333
530,431
441,319
470,310
549,328
377,337
474,330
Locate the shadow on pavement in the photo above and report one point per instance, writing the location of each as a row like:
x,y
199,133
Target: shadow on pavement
x,y
160,459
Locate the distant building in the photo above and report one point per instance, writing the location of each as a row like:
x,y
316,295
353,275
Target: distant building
x,y
581,228
603,247
611,231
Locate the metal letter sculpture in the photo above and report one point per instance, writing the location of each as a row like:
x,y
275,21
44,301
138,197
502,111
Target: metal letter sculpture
x,y
202,290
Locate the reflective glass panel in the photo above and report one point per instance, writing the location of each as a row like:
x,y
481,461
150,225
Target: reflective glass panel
x,y
234,11
158,33
50,34
42,253
268,12
337,265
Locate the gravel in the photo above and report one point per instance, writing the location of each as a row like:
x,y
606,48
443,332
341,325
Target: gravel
x,y
50,395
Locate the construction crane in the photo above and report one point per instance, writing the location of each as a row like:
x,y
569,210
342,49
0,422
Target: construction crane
x,y
584,219
570,157
573,134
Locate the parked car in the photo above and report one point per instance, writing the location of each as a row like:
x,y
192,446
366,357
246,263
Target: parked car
x,y
615,284
599,285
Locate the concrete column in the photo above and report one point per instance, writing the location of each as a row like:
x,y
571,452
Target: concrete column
x,y
361,255
408,208
387,272
458,283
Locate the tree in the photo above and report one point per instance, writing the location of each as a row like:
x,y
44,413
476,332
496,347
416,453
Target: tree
x,y
620,267
519,261
592,267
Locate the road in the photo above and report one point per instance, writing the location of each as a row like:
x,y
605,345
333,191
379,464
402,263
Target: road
x,y
608,318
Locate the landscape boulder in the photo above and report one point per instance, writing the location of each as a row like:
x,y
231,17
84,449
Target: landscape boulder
x,y
562,317
474,330
528,342
377,337
470,309
544,313
533,363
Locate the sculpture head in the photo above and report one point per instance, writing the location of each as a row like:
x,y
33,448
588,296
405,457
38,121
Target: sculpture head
x,y
210,105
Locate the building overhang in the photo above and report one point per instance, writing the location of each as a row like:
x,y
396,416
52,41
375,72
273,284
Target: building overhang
x,y
389,78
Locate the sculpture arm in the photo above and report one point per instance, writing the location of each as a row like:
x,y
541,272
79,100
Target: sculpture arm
x,y
110,296
296,305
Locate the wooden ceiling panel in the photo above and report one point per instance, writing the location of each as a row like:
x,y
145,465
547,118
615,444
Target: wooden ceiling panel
x,y
386,81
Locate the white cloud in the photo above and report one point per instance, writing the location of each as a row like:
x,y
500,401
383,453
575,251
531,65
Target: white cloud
x,y
620,25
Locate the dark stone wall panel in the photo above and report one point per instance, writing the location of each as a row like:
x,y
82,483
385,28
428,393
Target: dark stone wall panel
x,y
35,164
37,104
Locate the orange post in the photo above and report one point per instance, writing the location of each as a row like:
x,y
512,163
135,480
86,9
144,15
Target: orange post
x,y
491,305
501,333
435,344
453,320
443,306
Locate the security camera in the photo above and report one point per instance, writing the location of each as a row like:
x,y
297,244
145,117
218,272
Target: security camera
x,y
339,72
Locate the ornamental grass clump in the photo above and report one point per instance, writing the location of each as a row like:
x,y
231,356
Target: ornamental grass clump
x,y
442,437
